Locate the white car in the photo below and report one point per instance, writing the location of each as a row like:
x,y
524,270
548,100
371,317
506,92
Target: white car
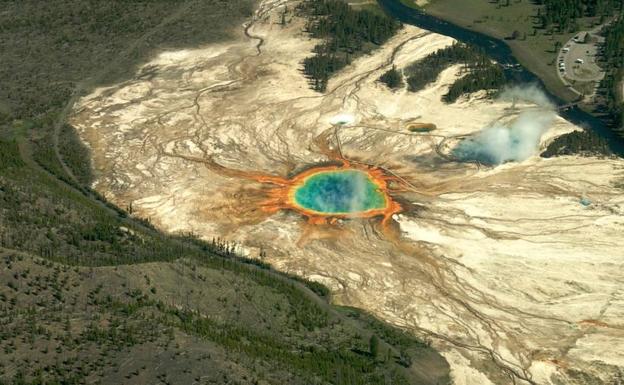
x,y
580,61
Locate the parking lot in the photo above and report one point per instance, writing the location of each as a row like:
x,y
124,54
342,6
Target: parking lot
x,y
576,61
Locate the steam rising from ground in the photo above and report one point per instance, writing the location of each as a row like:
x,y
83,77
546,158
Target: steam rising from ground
x,y
513,141
527,93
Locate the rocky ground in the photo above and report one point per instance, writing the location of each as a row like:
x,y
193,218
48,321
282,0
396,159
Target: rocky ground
x,y
515,271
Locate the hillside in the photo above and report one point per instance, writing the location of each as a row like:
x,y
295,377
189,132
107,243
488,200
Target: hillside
x,y
190,321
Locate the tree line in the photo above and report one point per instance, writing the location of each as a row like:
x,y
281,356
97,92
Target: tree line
x,y
578,142
613,58
562,14
425,71
482,74
346,33
393,78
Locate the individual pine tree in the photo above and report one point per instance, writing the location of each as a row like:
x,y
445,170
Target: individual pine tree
x,y
373,345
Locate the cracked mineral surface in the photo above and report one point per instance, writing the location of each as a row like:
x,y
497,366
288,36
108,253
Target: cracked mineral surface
x,y
515,272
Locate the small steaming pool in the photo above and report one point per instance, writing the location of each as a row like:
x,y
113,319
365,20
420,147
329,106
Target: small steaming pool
x,y
339,192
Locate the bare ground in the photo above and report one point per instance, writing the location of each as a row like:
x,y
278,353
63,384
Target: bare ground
x,y
511,276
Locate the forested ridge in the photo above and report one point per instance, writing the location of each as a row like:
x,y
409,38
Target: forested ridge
x,y
425,71
90,293
482,76
562,14
481,72
578,143
346,34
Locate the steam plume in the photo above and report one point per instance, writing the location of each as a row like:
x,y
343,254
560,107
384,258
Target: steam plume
x,y
516,141
528,93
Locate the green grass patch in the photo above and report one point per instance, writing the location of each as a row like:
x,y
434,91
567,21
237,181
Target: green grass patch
x,y
9,156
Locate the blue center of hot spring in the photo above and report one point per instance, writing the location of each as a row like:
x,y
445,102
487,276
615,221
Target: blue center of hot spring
x,y
340,192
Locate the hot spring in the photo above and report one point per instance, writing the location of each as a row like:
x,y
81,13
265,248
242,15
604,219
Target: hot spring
x,y
324,194
339,192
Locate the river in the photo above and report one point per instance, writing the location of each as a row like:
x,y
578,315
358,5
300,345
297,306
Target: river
x,y
499,51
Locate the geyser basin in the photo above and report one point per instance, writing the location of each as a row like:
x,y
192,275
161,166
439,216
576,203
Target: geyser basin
x,y
342,192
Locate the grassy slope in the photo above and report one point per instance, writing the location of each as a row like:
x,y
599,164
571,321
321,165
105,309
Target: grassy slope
x,y
189,321
51,47
63,320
